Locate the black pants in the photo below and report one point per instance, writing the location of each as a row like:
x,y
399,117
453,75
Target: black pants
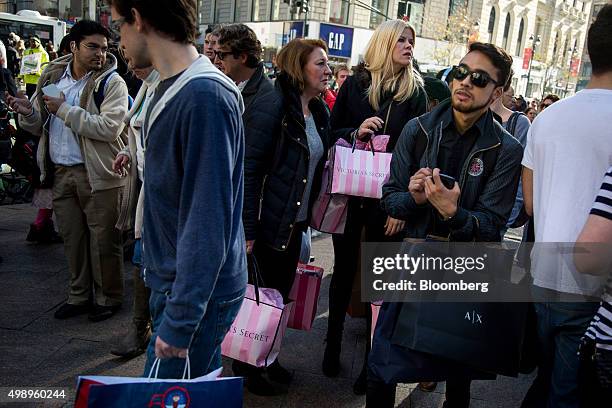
x,y
277,268
364,215
381,395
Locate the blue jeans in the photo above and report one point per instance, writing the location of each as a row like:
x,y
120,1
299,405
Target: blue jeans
x,y
205,348
560,329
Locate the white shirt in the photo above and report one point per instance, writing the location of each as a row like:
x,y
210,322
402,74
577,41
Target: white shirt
x,y
569,147
137,122
64,147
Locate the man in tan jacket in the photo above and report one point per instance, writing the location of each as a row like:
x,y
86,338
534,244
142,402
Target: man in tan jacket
x,y
79,139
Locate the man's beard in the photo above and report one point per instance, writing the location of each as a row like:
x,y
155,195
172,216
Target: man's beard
x,y
470,109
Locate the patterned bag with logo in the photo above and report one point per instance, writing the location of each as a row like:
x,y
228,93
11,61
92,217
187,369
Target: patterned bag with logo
x,y
485,336
209,391
360,172
256,335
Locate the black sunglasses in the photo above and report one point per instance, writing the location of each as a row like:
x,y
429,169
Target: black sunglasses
x,y
222,54
480,79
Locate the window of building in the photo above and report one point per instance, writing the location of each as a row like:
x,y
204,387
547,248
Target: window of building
x,y
506,32
261,10
520,39
339,11
456,6
491,28
377,18
412,11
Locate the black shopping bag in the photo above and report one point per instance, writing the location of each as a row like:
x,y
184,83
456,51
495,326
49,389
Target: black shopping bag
x,y
485,336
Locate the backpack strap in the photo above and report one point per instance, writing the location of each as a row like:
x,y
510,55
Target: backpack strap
x,y
512,121
99,93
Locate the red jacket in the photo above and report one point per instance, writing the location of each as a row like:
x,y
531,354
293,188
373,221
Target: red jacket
x,y
330,98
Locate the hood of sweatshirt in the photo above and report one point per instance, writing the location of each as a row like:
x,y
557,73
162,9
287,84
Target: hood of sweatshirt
x,y
200,68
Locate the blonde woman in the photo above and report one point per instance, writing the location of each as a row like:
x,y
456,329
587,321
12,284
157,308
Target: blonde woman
x,y
380,98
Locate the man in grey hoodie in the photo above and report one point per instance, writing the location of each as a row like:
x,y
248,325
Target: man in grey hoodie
x,y
193,238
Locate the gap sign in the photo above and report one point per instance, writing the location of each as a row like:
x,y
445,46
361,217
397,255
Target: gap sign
x,y
339,39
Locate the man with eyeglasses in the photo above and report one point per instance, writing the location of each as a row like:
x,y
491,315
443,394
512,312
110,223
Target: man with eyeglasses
x,y
461,139
80,135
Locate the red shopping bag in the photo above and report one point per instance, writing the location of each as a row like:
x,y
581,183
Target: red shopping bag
x,y
305,292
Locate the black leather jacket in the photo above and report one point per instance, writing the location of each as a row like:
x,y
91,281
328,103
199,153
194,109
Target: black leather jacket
x,y
488,179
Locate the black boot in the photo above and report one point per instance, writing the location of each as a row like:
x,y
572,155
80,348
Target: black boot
x,y
135,342
256,381
361,383
278,373
331,356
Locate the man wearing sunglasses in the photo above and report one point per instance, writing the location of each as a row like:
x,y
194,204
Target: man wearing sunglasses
x,y
461,139
548,100
79,138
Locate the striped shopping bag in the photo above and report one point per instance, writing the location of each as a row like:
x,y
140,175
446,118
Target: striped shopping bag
x,y
305,293
257,332
360,173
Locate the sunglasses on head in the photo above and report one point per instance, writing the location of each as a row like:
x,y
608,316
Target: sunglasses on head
x,y
479,79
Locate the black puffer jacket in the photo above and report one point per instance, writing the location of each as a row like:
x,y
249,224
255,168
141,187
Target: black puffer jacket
x,y
352,107
276,163
488,180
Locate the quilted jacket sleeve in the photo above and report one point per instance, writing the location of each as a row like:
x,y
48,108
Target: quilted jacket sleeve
x,y
262,125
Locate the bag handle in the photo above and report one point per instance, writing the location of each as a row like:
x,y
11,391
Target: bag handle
x,y
157,362
355,144
255,276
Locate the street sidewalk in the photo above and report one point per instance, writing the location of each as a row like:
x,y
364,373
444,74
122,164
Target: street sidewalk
x,y
36,350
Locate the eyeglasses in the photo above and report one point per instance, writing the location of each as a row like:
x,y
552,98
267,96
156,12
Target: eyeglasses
x,y
222,54
545,105
96,48
480,79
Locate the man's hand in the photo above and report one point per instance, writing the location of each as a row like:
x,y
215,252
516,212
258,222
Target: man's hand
x,y
164,350
120,163
443,199
53,104
19,103
249,246
393,226
416,187
369,126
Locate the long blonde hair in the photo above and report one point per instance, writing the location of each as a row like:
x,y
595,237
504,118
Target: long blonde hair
x,y
379,61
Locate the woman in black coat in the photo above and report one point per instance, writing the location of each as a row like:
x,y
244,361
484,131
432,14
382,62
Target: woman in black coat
x,y
380,98
282,171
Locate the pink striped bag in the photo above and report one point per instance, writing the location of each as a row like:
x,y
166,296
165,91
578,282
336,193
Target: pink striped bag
x,y
359,173
305,292
375,311
329,211
257,332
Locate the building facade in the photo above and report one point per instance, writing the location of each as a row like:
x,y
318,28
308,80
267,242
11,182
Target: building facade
x,y
545,37
67,10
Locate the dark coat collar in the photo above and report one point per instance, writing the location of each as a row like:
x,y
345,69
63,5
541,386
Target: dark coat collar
x,y
490,132
254,82
293,104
